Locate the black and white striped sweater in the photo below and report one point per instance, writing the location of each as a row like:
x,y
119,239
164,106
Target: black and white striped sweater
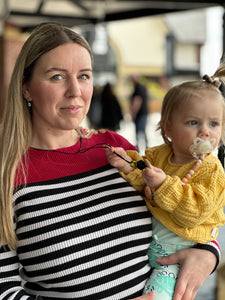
x,y
83,231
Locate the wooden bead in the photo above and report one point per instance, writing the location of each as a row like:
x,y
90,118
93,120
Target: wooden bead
x,y
184,180
188,176
191,172
196,166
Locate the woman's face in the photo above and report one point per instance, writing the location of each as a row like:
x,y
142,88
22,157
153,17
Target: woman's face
x,y
60,89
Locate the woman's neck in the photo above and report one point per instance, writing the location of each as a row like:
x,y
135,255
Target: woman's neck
x,y
50,142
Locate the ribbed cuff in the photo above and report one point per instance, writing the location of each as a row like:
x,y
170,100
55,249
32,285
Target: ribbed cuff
x,y
213,247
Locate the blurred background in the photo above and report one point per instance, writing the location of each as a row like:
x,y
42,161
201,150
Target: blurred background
x,y
161,42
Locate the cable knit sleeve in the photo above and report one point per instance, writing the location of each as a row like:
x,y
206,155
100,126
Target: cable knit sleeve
x,y
135,177
196,202
194,210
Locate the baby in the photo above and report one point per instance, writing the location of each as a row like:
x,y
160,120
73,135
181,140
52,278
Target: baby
x,y
186,181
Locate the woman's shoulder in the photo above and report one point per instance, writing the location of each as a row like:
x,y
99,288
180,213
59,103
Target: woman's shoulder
x,y
111,138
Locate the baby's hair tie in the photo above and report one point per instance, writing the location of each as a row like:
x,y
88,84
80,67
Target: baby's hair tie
x,y
222,88
213,80
216,82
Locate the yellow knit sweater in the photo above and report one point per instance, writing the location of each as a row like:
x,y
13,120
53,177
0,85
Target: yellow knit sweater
x,y
193,211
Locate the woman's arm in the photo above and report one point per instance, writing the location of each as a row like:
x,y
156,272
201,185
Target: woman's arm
x,y
149,296
10,281
195,266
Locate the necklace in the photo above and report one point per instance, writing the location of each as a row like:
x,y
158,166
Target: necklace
x,y
199,150
191,172
135,164
81,150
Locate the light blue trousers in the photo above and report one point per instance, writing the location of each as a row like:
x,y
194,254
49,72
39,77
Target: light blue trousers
x,y
163,278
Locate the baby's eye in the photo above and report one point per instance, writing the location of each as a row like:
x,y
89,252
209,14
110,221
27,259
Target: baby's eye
x,y
57,77
214,124
192,122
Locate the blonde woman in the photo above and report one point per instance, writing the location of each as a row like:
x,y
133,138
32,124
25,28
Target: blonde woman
x,y
70,226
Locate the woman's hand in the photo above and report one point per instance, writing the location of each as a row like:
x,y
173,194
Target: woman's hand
x,y
117,161
195,266
149,296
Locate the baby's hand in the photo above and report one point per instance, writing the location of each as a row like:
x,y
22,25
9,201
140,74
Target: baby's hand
x,y
153,176
118,162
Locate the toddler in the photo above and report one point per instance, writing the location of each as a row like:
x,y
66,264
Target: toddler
x,y
187,182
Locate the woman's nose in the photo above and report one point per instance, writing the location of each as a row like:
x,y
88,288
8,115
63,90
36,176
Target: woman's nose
x,y
73,88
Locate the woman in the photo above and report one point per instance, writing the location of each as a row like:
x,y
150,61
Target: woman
x,y
79,231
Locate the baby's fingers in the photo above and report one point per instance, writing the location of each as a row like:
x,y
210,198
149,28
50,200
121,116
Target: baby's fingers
x,y
147,163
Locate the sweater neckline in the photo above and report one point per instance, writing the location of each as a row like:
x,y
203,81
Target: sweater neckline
x,y
65,150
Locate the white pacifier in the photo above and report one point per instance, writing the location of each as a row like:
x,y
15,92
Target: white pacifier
x,y
200,148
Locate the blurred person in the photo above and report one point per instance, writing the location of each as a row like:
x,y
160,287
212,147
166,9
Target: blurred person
x,y
95,111
111,110
139,111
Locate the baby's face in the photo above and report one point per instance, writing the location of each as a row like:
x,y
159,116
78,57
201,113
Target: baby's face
x,y
196,118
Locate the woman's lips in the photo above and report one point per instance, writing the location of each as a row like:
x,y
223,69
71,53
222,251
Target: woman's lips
x,y
72,109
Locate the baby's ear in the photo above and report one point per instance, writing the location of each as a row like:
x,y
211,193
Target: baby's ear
x,y
167,129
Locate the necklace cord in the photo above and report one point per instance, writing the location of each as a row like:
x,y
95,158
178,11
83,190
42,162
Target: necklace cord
x,y
139,164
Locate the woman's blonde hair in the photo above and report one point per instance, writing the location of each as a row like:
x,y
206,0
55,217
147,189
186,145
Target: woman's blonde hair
x,y
181,93
16,124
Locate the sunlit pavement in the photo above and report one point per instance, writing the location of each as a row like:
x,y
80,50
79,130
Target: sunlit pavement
x,y
208,289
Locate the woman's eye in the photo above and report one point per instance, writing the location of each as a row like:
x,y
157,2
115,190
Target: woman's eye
x,y
84,76
57,77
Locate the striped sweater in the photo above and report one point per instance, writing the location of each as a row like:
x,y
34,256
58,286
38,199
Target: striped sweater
x,y
83,231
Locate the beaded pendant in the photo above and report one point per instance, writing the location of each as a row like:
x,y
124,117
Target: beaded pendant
x,y
199,150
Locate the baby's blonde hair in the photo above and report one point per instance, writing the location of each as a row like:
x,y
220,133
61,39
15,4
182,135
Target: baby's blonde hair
x,y
182,93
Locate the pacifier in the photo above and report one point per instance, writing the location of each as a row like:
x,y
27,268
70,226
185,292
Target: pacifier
x,y
200,148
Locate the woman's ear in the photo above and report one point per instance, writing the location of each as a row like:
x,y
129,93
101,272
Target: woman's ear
x,y
26,93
